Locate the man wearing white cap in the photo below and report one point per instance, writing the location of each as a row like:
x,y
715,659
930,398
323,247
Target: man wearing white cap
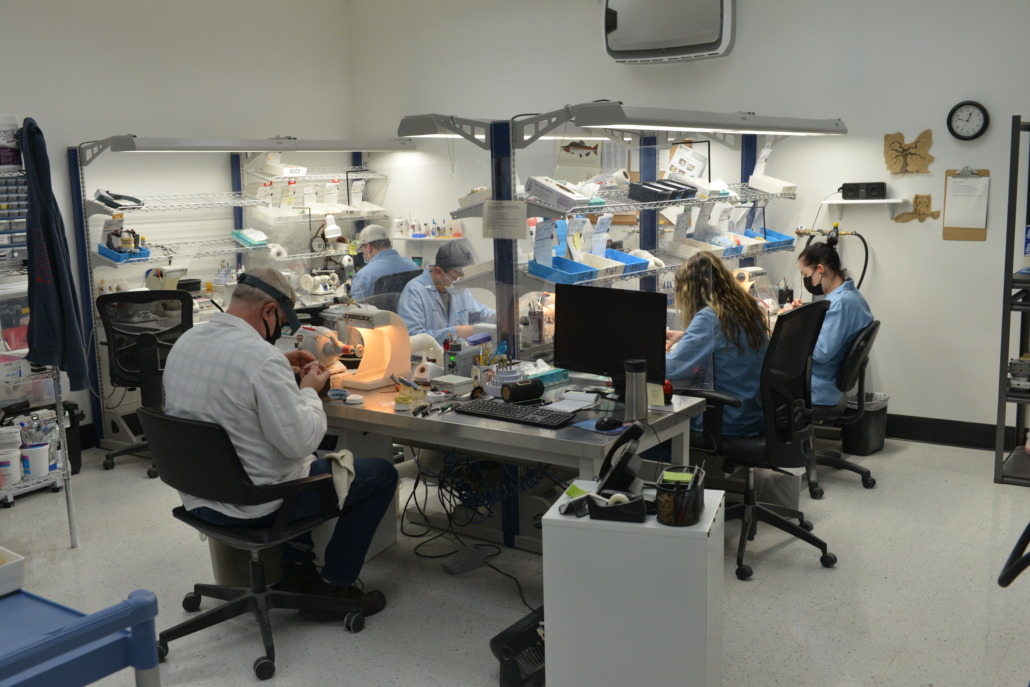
x,y
434,303
380,260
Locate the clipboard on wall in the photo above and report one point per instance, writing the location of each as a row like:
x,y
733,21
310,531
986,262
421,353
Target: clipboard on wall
x,y
965,204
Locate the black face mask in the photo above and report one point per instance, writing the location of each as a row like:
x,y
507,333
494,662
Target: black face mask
x,y
815,290
272,335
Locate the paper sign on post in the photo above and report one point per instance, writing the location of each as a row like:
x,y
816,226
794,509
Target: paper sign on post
x,y
504,219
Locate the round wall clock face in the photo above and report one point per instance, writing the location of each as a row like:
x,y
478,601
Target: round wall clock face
x,y
968,120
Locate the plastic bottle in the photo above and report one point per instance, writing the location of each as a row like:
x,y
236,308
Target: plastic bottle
x,y
102,287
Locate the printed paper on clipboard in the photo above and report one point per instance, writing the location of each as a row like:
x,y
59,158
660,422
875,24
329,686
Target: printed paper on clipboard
x,y
965,204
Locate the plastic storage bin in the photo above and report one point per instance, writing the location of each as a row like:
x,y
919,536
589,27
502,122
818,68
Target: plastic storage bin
x,y
867,435
563,271
631,262
773,240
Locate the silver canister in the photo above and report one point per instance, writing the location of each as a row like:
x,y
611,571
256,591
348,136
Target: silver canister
x,y
636,389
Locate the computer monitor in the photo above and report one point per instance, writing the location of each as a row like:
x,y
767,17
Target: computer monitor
x,y
597,329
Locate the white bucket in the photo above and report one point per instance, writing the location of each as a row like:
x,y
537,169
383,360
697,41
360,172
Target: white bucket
x,y
35,461
10,437
10,466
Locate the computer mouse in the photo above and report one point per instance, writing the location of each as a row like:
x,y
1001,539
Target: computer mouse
x,y
607,423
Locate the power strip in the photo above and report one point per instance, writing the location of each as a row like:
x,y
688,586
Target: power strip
x,y
463,560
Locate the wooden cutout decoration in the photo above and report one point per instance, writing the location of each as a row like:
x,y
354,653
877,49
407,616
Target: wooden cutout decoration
x,y
908,158
921,211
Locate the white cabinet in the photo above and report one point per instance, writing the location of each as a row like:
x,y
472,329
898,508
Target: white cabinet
x,y
633,604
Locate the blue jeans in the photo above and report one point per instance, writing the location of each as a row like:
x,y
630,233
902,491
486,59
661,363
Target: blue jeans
x,y
370,494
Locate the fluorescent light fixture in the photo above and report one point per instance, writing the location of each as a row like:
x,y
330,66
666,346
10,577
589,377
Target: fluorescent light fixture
x,y
615,115
131,143
445,126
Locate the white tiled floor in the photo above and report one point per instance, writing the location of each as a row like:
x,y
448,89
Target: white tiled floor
x,y
913,600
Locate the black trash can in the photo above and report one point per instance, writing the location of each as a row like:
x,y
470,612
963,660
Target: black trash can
x,y
867,435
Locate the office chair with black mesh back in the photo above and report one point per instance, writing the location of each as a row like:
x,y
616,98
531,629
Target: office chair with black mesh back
x,y
788,434
198,458
394,283
852,372
140,328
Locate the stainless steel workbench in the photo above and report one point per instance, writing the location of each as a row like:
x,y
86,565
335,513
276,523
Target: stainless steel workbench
x,y
372,428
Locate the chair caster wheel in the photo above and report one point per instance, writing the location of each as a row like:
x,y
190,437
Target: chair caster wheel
x,y
744,572
162,651
815,492
806,525
828,560
55,488
264,668
151,472
868,482
354,622
109,463
6,504
191,603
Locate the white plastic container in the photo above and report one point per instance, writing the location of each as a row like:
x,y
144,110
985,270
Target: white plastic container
x,y
10,437
35,461
10,466
12,571
10,154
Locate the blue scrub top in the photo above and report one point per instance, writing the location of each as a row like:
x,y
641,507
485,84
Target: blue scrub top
x,y
422,309
848,315
382,263
705,354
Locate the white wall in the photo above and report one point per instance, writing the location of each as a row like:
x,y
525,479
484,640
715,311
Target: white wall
x,y
880,65
90,69
86,70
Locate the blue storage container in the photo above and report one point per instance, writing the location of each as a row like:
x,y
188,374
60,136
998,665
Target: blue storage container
x,y
563,271
141,254
773,239
632,263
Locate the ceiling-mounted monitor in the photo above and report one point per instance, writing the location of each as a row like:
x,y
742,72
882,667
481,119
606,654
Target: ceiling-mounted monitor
x,y
639,31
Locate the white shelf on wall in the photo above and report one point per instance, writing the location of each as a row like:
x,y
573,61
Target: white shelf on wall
x,y
837,205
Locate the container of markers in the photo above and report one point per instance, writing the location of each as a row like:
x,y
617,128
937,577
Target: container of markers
x,y
680,496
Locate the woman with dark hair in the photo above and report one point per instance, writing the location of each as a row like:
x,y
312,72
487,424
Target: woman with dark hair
x,y
724,344
823,275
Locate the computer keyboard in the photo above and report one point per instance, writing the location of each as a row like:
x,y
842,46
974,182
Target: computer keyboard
x,y
541,417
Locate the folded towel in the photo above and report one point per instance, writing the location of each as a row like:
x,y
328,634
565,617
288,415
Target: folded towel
x,y
343,472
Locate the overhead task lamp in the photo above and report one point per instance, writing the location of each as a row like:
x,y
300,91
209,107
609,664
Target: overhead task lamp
x,y
614,115
132,143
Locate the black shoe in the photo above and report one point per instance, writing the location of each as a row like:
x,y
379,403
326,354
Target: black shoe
x,y
297,578
371,601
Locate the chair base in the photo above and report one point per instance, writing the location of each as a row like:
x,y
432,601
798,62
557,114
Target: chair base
x,y
134,450
834,459
259,600
750,514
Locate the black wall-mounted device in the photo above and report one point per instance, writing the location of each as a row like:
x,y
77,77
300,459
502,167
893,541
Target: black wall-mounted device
x,y
875,190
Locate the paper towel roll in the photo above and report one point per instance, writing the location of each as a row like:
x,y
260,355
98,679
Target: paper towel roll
x,y
277,252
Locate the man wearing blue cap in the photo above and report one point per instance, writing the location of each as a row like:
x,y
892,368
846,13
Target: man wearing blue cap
x,y
434,303
228,372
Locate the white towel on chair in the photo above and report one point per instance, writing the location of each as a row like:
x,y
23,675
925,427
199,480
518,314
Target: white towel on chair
x,y
343,472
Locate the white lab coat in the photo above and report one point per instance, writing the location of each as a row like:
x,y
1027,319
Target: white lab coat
x,y
225,372
422,309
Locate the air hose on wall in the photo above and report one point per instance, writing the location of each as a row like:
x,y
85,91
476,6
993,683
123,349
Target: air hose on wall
x,y
833,233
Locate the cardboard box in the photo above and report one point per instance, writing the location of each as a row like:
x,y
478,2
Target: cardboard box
x,y
767,184
550,192
13,365
474,197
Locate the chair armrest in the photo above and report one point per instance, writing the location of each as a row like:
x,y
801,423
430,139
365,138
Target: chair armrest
x,y
290,491
716,398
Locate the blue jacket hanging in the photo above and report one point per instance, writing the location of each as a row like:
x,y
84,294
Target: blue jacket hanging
x,y
55,323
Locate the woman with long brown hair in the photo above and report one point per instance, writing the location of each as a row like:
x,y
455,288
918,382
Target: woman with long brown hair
x,y
723,345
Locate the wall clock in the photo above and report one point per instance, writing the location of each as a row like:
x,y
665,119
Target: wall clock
x,y
968,120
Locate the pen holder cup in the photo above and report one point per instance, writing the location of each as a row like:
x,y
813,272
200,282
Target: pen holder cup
x,y
680,496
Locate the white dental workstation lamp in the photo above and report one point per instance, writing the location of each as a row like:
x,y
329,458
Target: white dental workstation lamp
x,y
386,347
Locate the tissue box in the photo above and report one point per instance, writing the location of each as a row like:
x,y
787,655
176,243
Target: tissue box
x,y
12,571
13,365
550,192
